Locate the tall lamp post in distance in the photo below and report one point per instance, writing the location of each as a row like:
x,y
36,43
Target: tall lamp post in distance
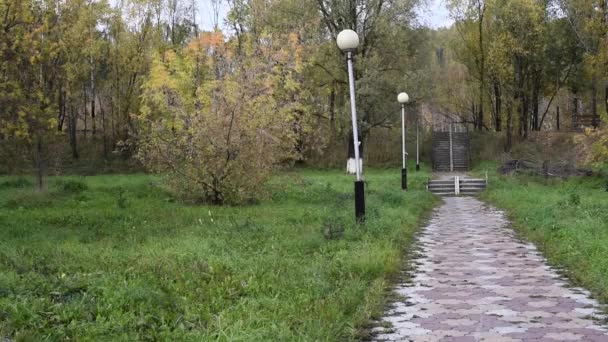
x,y
403,98
417,143
348,41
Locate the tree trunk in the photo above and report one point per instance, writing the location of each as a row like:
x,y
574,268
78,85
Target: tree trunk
x,y
498,98
525,116
557,117
40,164
594,119
482,68
104,131
520,115
520,97
84,111
575,109
73,137
93,113
332,109
606,97
480,112
535,118
509,132
61,109
93,128
474,115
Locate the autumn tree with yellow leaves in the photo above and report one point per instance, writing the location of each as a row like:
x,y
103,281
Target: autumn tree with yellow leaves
x,y
217,118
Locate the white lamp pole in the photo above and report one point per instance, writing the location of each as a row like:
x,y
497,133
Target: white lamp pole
x,y
348,41
403,98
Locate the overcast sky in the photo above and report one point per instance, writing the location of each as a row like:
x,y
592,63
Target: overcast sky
x,y
435,15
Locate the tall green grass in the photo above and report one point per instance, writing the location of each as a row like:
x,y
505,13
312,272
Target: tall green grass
x,y
116,258
566,219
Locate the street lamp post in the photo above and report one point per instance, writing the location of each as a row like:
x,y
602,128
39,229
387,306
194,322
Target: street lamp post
x,y
348,41
417,143
403,98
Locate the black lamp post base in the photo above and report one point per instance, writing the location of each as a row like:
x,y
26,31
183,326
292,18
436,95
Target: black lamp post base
x,y
404,179
360,201
417,167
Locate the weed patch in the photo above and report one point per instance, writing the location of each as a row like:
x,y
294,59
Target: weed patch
x,y
71,186
28,199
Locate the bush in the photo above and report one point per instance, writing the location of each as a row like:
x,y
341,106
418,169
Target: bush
x,y
222,149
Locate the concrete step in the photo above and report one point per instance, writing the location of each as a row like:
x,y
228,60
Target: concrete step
x,y
455,140
441,186
446,189
457,153
448,165
470,193
473,182
444,194
472,189
441,181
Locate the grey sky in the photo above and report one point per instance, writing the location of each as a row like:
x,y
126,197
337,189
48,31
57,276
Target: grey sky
x,y
434,15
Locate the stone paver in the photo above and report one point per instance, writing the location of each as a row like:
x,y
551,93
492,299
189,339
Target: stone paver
x,y
473,280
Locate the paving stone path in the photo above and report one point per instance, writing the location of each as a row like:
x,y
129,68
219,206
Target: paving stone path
x,y
473,280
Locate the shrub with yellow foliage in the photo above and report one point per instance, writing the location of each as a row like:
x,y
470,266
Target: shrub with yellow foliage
x,y
217,119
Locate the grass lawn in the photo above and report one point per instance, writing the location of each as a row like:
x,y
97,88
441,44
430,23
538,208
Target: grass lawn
x,y
566,219
116,258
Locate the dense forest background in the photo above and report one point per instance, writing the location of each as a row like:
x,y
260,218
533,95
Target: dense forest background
x,y
91,86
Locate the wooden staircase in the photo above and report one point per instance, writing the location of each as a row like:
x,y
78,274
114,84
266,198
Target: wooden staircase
x,y
460,151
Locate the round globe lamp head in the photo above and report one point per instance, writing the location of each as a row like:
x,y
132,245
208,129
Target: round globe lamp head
x,y
403,98
347,40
